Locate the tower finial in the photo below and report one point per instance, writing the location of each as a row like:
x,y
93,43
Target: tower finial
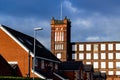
x,y
61,10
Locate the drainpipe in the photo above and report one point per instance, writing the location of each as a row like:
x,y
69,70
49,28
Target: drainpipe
x,y
28,64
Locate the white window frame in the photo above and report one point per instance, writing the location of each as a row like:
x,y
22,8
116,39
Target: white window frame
x,y
103,64
74,56
88,55
74,47
88,47
110,55
96,47
110,73
117,55
103,47
81,56
95,55
118,73
117,46
110,64
110,46
88,62
103,55
81,47
95,65
117,65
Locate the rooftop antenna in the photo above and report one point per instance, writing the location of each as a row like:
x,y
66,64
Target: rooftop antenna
x,y
61,11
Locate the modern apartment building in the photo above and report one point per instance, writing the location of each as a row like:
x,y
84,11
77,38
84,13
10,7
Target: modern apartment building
x,y
104,56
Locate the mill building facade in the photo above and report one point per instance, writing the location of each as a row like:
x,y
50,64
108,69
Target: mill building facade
x,y
104,56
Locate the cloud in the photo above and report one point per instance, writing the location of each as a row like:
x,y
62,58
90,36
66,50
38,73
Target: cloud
x,y
95,38
68,5
83,23
90,20
96,27
26,25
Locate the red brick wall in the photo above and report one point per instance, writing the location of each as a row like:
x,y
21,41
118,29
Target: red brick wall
x,y
12,51
69,74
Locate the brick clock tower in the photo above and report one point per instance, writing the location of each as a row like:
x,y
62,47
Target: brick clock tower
x,y
61,38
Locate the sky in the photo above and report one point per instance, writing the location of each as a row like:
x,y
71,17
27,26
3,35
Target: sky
x,y
91,20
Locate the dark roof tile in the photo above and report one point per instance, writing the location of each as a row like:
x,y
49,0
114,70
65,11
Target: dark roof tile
x,y
70,65
88,68
28,42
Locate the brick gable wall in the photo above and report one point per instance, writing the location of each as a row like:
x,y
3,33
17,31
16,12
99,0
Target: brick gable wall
x,y
12,52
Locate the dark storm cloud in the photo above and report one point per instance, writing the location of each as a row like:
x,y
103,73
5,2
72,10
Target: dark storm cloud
x,y
102,6
96,20
28,8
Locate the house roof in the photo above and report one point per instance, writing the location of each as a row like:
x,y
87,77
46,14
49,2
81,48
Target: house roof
x,y
99,75
61,75
28,42
70,65
88,68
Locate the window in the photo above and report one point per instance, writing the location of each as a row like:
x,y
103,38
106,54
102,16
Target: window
x,y
81,56
95,56
117,46
88,47
55,47
59,55
36,62
88,62
74,47
58,46
88,55
81,47
118,73
103,71
51,64
95,47
59,36
55,36
103,65
62,36
117,55
56,66
117,65
103,55
95,64
110,55
103,47
110,46
110,64
62,47
74,56
110,73
42,64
